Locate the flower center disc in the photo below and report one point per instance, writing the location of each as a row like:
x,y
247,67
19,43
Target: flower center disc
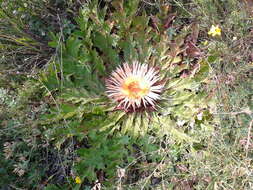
x,y
135,88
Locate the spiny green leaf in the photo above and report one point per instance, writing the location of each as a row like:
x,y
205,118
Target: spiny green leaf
x,y
203,72
73,45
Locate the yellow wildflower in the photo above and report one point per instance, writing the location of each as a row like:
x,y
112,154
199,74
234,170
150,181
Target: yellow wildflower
x,y
78,180
214,31
205,42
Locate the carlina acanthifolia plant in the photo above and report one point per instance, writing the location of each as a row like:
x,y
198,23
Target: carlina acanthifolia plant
x,y
135,86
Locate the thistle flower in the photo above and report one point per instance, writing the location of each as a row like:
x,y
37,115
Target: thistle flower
x,y
134,86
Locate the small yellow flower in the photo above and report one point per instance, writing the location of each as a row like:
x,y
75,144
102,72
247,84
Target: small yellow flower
x,y
78,180
205,43
214,31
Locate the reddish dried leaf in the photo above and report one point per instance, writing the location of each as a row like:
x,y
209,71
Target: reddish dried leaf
x,y
192,50
175,49
154,22
195,33
169,20
100,175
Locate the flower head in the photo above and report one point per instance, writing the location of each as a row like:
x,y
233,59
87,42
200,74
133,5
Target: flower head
x,y
78,180
134,86
214,31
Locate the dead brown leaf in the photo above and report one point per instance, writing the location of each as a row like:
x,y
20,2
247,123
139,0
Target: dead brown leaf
x,y
192,50
195,32
248,5
154,22
169,20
